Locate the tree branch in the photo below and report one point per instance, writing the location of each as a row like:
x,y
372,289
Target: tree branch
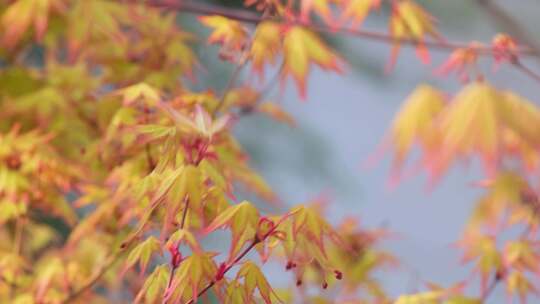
x,y
496,279
246,16
230,84
513,27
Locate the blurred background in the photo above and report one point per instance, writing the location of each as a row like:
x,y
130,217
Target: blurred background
x,y
344,120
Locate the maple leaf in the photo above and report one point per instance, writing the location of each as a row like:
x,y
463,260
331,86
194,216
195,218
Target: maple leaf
x,y
143,252
254,278
227,32
140,91
301,48
235,293
508,193
482,249
276,112
518,284
242,219
22,13
462,61
201,121
522,255
192,275
92,22
265,46
416,122
305,236
357,10
154,285
523,117
410,21
472,124
183,236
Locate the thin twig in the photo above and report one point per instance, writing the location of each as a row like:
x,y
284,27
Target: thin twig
x,y
510,24
184,214
527,71
496,279
195,7
230,84
149,158
264,92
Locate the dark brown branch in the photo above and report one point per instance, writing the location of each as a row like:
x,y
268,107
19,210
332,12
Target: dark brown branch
x,y
196,7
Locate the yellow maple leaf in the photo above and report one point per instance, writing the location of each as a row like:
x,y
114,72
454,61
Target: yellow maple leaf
x,y
416,122
302,48
20,15
410,21
139,91
321,7
523,117
473,124
357,10
483,250
518,284
227,32
192,275
265,46
254,278
242,219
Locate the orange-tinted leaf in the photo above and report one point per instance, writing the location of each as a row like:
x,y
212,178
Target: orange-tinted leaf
x,y
143,252
265,46
357,10
192,275
410,21
254,278
276,112
302,48
154,286
518,284
415,121
472,124
140,91
242,220
20,15
226,32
